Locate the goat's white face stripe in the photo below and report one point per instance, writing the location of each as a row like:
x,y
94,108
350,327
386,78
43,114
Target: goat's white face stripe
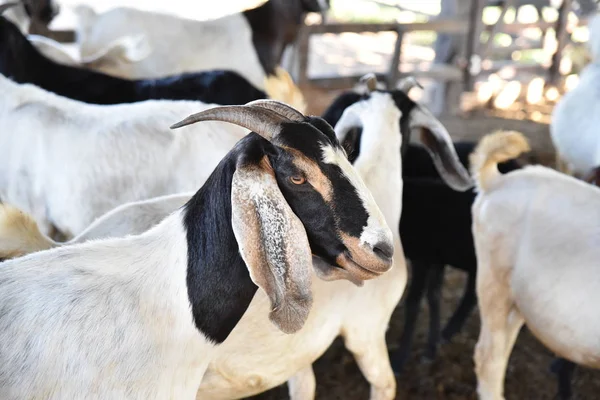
x,y
376,229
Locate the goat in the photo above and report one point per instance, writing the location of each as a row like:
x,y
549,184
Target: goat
x,y
250,43
537,239
435,231
67,162
362,317
256,222
575,117
227,377
20,61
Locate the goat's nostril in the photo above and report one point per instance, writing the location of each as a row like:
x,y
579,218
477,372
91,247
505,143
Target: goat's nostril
x,y
384,250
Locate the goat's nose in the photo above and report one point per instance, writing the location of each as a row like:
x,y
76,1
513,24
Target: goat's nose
x,y
384,250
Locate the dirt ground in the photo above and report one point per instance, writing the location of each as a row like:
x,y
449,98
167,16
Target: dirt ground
x,y
451,375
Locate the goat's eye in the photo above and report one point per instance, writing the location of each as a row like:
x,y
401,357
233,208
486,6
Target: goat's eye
x,y
297,180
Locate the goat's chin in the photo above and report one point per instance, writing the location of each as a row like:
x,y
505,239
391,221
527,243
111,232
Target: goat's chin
x,y
330,272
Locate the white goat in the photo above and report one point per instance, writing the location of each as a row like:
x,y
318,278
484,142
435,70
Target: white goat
x,y
68,162
250,43
537,239
139,317
575,119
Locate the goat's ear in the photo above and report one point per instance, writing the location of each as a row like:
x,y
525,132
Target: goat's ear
x,y
273,244
438,143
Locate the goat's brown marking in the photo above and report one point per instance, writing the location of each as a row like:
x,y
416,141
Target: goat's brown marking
x,y
314,175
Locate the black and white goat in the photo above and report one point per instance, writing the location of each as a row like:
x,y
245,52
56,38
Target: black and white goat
x,y
435,230
140,317
23,63
250,43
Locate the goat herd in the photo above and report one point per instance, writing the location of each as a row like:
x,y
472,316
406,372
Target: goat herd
x,y
143,262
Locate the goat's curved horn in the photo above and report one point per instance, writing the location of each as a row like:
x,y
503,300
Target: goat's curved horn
x,y
280,108
265,122
408,83
370,80
6,6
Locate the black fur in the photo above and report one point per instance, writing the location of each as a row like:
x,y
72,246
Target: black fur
x,y
219,285
275,25
435,230
42,10
23,63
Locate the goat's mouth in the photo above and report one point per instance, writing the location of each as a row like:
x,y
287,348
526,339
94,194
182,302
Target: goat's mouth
x,y
344,268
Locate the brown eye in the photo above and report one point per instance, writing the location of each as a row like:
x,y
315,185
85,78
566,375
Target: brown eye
x,y
297,180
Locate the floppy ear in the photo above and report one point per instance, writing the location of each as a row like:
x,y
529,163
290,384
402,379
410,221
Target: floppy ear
x,y
273,244
438,143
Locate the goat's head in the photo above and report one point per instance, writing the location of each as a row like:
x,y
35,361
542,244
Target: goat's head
x,y
413,116
315,5
42,11
295,200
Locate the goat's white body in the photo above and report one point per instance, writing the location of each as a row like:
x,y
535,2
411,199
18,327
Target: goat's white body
x,y
67,162
53,50
103,319
575,119
537,237
177,45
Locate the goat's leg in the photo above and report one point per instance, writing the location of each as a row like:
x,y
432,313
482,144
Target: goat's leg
x,y
367,344
564,370
500,325
411,313
463,310
434,288
303,385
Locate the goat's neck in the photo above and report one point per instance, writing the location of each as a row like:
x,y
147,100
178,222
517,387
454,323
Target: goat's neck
x,y
218,282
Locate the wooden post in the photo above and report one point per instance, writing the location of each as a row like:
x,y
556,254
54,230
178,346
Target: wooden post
x,y
38,28
483,48
394,72
561,38
302,55
475,15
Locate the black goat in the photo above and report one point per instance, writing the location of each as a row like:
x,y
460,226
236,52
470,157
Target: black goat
x,y
435,229
23,63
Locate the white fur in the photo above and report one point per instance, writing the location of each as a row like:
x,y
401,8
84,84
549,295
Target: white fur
x,y
102,320
576,117
128,49
537,239
177,45
53,50
67,162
